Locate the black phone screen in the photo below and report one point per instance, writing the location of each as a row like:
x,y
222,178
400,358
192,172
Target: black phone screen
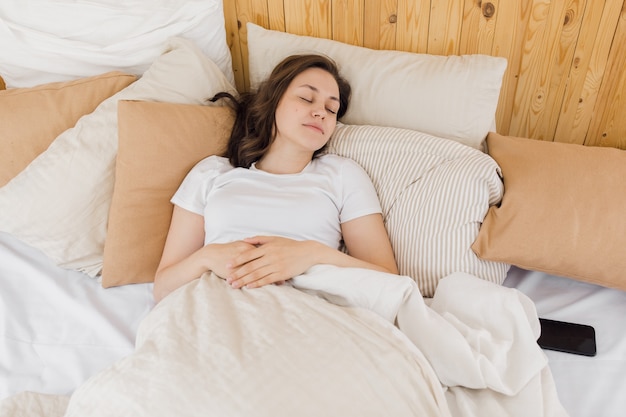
x,y
567,337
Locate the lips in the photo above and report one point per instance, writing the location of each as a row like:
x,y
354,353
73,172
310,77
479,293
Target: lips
x,y
315,127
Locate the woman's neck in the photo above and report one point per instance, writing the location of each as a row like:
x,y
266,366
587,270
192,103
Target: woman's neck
x,y
283,163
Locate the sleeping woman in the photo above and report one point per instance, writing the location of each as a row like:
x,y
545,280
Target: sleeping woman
x,y
275,204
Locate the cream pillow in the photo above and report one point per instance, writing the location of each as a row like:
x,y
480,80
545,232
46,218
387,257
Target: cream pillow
x,y
158,144
563,210
434,194
31,118
60,202
453,97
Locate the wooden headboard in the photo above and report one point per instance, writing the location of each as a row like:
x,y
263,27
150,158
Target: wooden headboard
x,y
566,77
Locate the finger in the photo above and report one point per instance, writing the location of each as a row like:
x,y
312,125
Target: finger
x,y
266,280
257,240
245,257
261,276
248,272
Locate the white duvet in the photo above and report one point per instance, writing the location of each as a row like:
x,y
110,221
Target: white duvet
x,y
336,341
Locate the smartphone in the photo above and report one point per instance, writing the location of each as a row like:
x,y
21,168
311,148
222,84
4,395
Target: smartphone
x,y
567,337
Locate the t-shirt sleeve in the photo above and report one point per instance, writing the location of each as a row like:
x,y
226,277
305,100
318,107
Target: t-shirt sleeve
x,y
193,191
359,195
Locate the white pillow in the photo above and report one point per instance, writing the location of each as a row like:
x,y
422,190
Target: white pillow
x,y
454,97
60,202
434,193
65,40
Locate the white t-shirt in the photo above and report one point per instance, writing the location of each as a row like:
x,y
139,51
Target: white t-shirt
x,y
237,202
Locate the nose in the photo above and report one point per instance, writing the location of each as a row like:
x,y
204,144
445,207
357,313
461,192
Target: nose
x,y
319,112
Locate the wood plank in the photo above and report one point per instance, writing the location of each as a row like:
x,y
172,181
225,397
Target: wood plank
x,y
509,38
347,21
565,29
413,18
478,27
380,23
276,12
444,30
309,17
608,127
587,71
249,11
530,96
254,11
234,43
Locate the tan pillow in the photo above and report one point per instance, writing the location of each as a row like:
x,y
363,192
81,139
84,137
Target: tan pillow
x,y
563,210
3,86
31,118
158,144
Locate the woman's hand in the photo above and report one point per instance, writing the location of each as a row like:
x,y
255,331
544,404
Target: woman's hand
x,y
223,254
273,260
277,259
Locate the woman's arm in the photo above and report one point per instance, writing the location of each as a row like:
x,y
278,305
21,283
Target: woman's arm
x,y
185,257
278,259
184,238
366,239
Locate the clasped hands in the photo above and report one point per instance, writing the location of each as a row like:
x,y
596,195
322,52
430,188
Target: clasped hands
x,y
261,260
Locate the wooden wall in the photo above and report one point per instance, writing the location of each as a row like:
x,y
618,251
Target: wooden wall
x,y
566,76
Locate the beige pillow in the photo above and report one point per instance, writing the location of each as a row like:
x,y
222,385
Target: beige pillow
x,y
453,97
60,203
563,210
434,194
31,118
158,144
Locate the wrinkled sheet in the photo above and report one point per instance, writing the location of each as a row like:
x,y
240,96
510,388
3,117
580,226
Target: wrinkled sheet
x,y
59,327
336,341
587,386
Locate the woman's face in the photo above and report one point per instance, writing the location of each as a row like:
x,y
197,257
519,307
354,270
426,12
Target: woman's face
x,y
306,114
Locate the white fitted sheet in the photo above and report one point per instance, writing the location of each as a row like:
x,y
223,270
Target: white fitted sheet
x,y
587,386
60,327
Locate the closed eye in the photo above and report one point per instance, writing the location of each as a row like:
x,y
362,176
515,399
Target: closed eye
x,y
328,109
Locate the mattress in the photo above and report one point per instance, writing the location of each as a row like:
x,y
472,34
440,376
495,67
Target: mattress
x,y
60,327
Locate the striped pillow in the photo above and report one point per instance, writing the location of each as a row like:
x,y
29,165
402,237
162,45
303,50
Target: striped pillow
x,y
434,193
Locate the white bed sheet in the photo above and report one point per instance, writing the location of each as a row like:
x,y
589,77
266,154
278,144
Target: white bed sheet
x,y
60,327
587,386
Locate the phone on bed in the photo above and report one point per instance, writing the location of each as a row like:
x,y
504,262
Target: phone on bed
x,y
567,337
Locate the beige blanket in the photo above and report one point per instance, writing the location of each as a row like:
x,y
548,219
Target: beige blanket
x,y
209,350
479,337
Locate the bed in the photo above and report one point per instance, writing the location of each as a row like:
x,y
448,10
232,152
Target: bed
x,y
123,115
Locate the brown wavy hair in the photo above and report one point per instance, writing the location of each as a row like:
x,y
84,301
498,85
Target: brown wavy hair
x,y
255,124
